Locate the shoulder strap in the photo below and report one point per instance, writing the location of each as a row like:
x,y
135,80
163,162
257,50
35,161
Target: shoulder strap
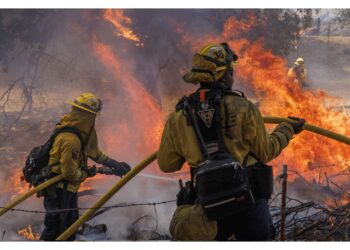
x,y
190,115
217,100
234,92
68,129
185,105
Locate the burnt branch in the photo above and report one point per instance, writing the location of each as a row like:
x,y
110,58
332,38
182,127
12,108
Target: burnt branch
x,y
307,220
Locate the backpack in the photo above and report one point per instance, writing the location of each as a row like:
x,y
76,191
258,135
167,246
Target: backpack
x,y
36,168
221,182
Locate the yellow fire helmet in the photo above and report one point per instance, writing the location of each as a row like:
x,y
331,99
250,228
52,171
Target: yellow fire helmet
x,y
299,61
189,223
88,102
210,63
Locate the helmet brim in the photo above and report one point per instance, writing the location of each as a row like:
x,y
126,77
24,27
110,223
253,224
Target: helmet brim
x,y
83,108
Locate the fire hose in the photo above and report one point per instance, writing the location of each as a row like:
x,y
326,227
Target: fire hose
x,y
276,120
116,187
74,227
311,128
26,195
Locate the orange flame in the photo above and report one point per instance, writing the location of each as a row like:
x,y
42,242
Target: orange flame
x,y
266,73
141,135
258,68
120,21
28,233
15,183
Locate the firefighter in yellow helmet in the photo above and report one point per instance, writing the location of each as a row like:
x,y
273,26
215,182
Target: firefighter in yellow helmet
x,y
221,135
75,141
298,73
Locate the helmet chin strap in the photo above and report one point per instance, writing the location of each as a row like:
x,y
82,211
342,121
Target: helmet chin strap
x,y
231,57
226,85
223,82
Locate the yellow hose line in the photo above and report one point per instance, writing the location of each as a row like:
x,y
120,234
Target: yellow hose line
x,y
74,227
311,128
26,195
139,168
268,119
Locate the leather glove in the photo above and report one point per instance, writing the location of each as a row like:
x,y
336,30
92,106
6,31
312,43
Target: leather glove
x,y
118,168
105,170
297,124
186,195
91,172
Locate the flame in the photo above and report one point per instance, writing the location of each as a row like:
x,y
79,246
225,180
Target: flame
x,y
120,21
28,233
135,126
140,132
266,73
234,27
15,183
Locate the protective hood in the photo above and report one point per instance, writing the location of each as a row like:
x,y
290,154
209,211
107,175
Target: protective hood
x,y
199,62
85,122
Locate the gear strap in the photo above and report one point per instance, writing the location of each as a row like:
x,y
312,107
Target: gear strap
x,y
72,130
186,103
68,129
196,101
192,119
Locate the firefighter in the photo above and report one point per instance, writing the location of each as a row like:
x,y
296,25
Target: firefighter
x,y
223,124
68,157
298,73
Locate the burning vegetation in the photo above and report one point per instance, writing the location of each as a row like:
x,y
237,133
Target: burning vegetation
x,y
121,22
28,233
140,84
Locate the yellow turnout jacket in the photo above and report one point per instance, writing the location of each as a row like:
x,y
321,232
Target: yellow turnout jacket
x,y
67,154
243,132
298,77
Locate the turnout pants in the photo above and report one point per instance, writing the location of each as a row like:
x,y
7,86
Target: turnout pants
x,y
57,222
254,224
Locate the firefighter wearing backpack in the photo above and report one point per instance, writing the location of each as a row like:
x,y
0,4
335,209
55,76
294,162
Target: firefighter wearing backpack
x,y
222,136
68,156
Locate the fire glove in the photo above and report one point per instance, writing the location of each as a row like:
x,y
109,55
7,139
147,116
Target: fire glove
x,y
186,195
105,170
297,124
91,172
118,168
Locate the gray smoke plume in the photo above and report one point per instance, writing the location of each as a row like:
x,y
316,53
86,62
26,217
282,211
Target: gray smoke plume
x,y
68,66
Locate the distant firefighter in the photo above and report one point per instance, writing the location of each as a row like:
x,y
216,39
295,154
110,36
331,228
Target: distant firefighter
x,y
73,141
298,73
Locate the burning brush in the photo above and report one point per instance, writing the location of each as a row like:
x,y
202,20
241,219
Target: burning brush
x,y
28,233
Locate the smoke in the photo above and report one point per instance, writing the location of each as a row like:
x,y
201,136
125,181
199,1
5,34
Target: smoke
x,y
326,63
140,190
139,87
